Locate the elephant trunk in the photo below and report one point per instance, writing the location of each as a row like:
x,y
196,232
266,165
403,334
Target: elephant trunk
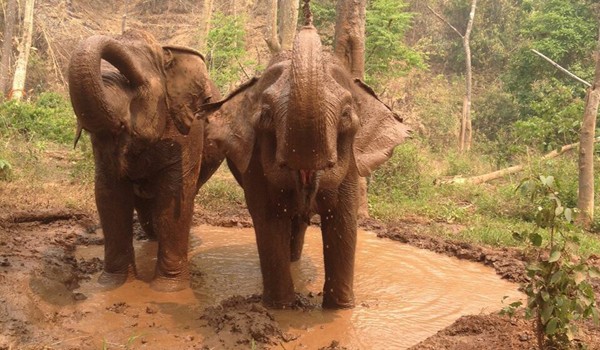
x,y
95,111
307,145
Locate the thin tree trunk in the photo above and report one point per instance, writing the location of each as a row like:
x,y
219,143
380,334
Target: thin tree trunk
x,y
349,39
21,68
9,24
124,18
349,46
271,36
466,134
205,24
585,200
281,26
287,20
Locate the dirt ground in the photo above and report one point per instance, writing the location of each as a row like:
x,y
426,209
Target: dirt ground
x,y
38,268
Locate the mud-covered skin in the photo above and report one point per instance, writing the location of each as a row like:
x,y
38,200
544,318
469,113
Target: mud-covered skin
x,y
297,139
137,100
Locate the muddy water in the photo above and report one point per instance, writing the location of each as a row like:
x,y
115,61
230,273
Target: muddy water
x,y
403,294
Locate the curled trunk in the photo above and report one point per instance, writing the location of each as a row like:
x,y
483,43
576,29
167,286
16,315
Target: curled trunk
x,y
95,111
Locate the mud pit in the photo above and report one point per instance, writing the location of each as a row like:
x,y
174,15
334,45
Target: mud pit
x,y
403,296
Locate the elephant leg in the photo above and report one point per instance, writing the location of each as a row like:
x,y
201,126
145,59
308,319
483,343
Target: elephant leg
x,y
173,210
297,238
273,232
114,200
273,240
338,225
143,207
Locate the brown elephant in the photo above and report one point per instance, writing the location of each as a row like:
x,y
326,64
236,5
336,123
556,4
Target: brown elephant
x,y
298,138
138,100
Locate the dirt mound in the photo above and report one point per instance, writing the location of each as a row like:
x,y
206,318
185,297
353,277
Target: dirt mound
x,y
245,322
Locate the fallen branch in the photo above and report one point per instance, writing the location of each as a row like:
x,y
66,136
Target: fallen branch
x,y
564,70
479,179
42,216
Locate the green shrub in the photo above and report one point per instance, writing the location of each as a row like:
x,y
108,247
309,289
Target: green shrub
x,y
559,293
49,117
5,170
401,175
226,47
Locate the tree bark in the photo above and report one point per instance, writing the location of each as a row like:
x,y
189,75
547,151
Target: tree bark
x,y
9,25
207,7
466,133
287,20
271,36
349,47
21,68
585,200
282,22
349,42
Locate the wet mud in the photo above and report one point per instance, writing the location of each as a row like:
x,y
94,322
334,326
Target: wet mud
x,y
406,297
51,298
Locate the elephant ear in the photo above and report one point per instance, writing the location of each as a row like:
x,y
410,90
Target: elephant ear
x,y
381,130
231,125
187,84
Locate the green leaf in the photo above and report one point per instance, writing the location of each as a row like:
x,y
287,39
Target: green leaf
x,y
536,239
547,313
551,326
594,272
554,256
557,276
559,210
569,214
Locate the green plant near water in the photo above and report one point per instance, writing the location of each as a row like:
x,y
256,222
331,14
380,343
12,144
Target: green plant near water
x,y
558,291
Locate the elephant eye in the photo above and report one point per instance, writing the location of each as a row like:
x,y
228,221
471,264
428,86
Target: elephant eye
x,y
266,117
346,118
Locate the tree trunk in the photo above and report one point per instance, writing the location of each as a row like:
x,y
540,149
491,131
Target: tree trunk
x,y
349,46
585,201
349,42
21,68
271,36
9,25
205,25
287,19
465,129
282,22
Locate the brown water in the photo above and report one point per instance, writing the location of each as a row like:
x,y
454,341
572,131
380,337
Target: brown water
x,y
403,294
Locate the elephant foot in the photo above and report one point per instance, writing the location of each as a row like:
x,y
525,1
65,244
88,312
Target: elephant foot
x,y
331,302
272,304
169,284
116,279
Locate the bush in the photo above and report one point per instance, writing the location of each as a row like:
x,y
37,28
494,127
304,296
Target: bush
x,y
226,50
47,118
401,175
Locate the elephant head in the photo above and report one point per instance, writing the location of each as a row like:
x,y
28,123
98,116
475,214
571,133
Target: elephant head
x,y
132,85
308,118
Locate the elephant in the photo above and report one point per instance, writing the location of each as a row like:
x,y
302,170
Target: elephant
x,y
297,138
138,101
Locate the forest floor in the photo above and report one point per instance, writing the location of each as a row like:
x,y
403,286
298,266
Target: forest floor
x,y
45,219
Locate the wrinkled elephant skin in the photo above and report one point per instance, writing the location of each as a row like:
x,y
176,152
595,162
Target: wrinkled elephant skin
x,y
138,101
297,139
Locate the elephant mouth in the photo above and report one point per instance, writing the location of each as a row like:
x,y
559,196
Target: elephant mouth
x,y
306,177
